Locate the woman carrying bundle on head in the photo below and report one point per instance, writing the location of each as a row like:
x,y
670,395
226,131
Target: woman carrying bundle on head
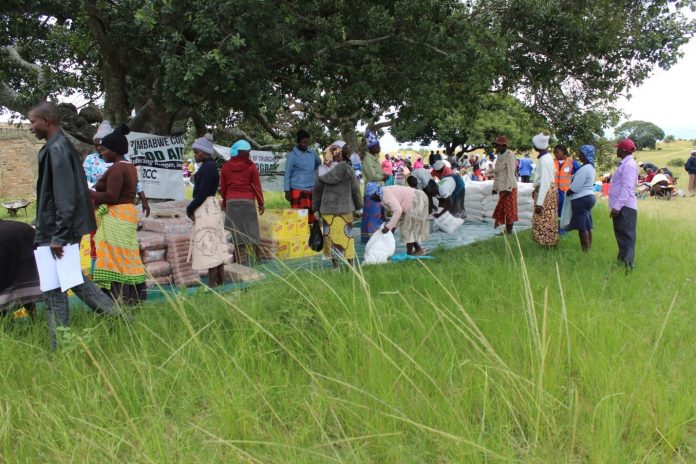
x,y
118,267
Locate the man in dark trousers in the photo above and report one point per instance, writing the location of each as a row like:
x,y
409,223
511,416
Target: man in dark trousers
x,y
64,214
623,202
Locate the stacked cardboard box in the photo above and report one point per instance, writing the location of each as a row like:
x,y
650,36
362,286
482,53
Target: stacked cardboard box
x,y
284,234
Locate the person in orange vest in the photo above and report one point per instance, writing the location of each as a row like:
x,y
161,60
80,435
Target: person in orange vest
x,y
565,168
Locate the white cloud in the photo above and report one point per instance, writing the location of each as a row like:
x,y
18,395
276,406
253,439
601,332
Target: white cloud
x,y
668,98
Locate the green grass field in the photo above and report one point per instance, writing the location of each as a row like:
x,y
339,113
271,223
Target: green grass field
x,y
496,352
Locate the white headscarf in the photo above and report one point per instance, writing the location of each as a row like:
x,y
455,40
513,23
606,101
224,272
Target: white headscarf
x,y
541,141
103,130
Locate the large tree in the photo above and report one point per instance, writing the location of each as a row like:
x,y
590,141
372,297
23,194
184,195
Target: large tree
x,y
645,134
268,67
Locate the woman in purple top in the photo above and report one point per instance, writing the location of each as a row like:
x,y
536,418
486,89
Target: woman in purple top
x,y
623,202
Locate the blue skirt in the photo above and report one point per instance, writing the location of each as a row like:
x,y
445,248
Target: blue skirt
x,y
582,213
372,218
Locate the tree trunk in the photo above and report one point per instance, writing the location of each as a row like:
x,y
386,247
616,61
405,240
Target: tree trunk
x,y
350,136
116,107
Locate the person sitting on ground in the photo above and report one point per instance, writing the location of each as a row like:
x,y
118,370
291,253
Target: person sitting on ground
x,y
336,196
240,186
118,269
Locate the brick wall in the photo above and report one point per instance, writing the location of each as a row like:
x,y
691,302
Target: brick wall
x,y
18,163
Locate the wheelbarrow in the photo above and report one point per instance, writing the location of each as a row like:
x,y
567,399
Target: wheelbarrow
x,y
14,206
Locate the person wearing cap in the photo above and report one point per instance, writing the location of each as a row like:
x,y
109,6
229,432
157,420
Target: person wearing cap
x,y
64,213
456,199
545,218
690,167
301,165
505,185
118,269
240,186
208,248
373,212
95,167
582,199
623,202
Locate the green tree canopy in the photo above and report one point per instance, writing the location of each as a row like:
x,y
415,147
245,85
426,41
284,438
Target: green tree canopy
x,y
644,134
249,67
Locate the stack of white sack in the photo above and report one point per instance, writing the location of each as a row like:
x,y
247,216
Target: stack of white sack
x,y
473,201
525,204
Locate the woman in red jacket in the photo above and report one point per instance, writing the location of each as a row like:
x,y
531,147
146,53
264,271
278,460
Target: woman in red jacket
x,y
241,190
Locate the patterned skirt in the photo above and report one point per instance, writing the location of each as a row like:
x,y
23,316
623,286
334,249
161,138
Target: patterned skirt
x,y
338,236
372,218
118,267
506,209
302,199
545,225
413,225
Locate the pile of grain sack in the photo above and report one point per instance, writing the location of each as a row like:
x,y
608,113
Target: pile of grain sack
x,y
479,202
164,240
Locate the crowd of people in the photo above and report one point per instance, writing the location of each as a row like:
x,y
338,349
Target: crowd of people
x,y
98,196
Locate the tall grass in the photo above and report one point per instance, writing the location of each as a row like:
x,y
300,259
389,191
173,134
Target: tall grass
x,y
500,351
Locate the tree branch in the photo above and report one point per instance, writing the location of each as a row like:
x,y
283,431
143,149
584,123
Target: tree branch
x,y
381,125
238,134
12,100
432,47
266,125
355,43
14,56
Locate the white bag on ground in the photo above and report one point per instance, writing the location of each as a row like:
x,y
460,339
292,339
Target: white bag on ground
x,y
448,223
380,248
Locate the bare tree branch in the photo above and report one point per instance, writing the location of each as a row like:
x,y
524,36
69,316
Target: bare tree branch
x,y
267,126
432,47
381,125
14,56
240,134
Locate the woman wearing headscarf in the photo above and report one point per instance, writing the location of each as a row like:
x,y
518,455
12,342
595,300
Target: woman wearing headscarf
x,y
505,184
409,207
208,248
95,167
373,212
240,186
118,267
336,195
582,198
330,156
456,199
545,218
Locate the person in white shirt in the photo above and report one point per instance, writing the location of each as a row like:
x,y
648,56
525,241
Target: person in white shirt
x,y
545,219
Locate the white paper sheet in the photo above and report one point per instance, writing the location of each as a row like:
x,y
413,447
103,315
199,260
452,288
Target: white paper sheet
x,y
64,273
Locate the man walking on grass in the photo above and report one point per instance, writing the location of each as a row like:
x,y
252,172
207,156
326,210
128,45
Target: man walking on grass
x,y
623,202
691,169
64,214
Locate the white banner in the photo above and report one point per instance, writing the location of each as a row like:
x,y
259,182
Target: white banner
x,y
271,167
159,160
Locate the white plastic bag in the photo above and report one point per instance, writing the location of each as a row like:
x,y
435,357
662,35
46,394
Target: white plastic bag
x,y
566,213
379,248
448,223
